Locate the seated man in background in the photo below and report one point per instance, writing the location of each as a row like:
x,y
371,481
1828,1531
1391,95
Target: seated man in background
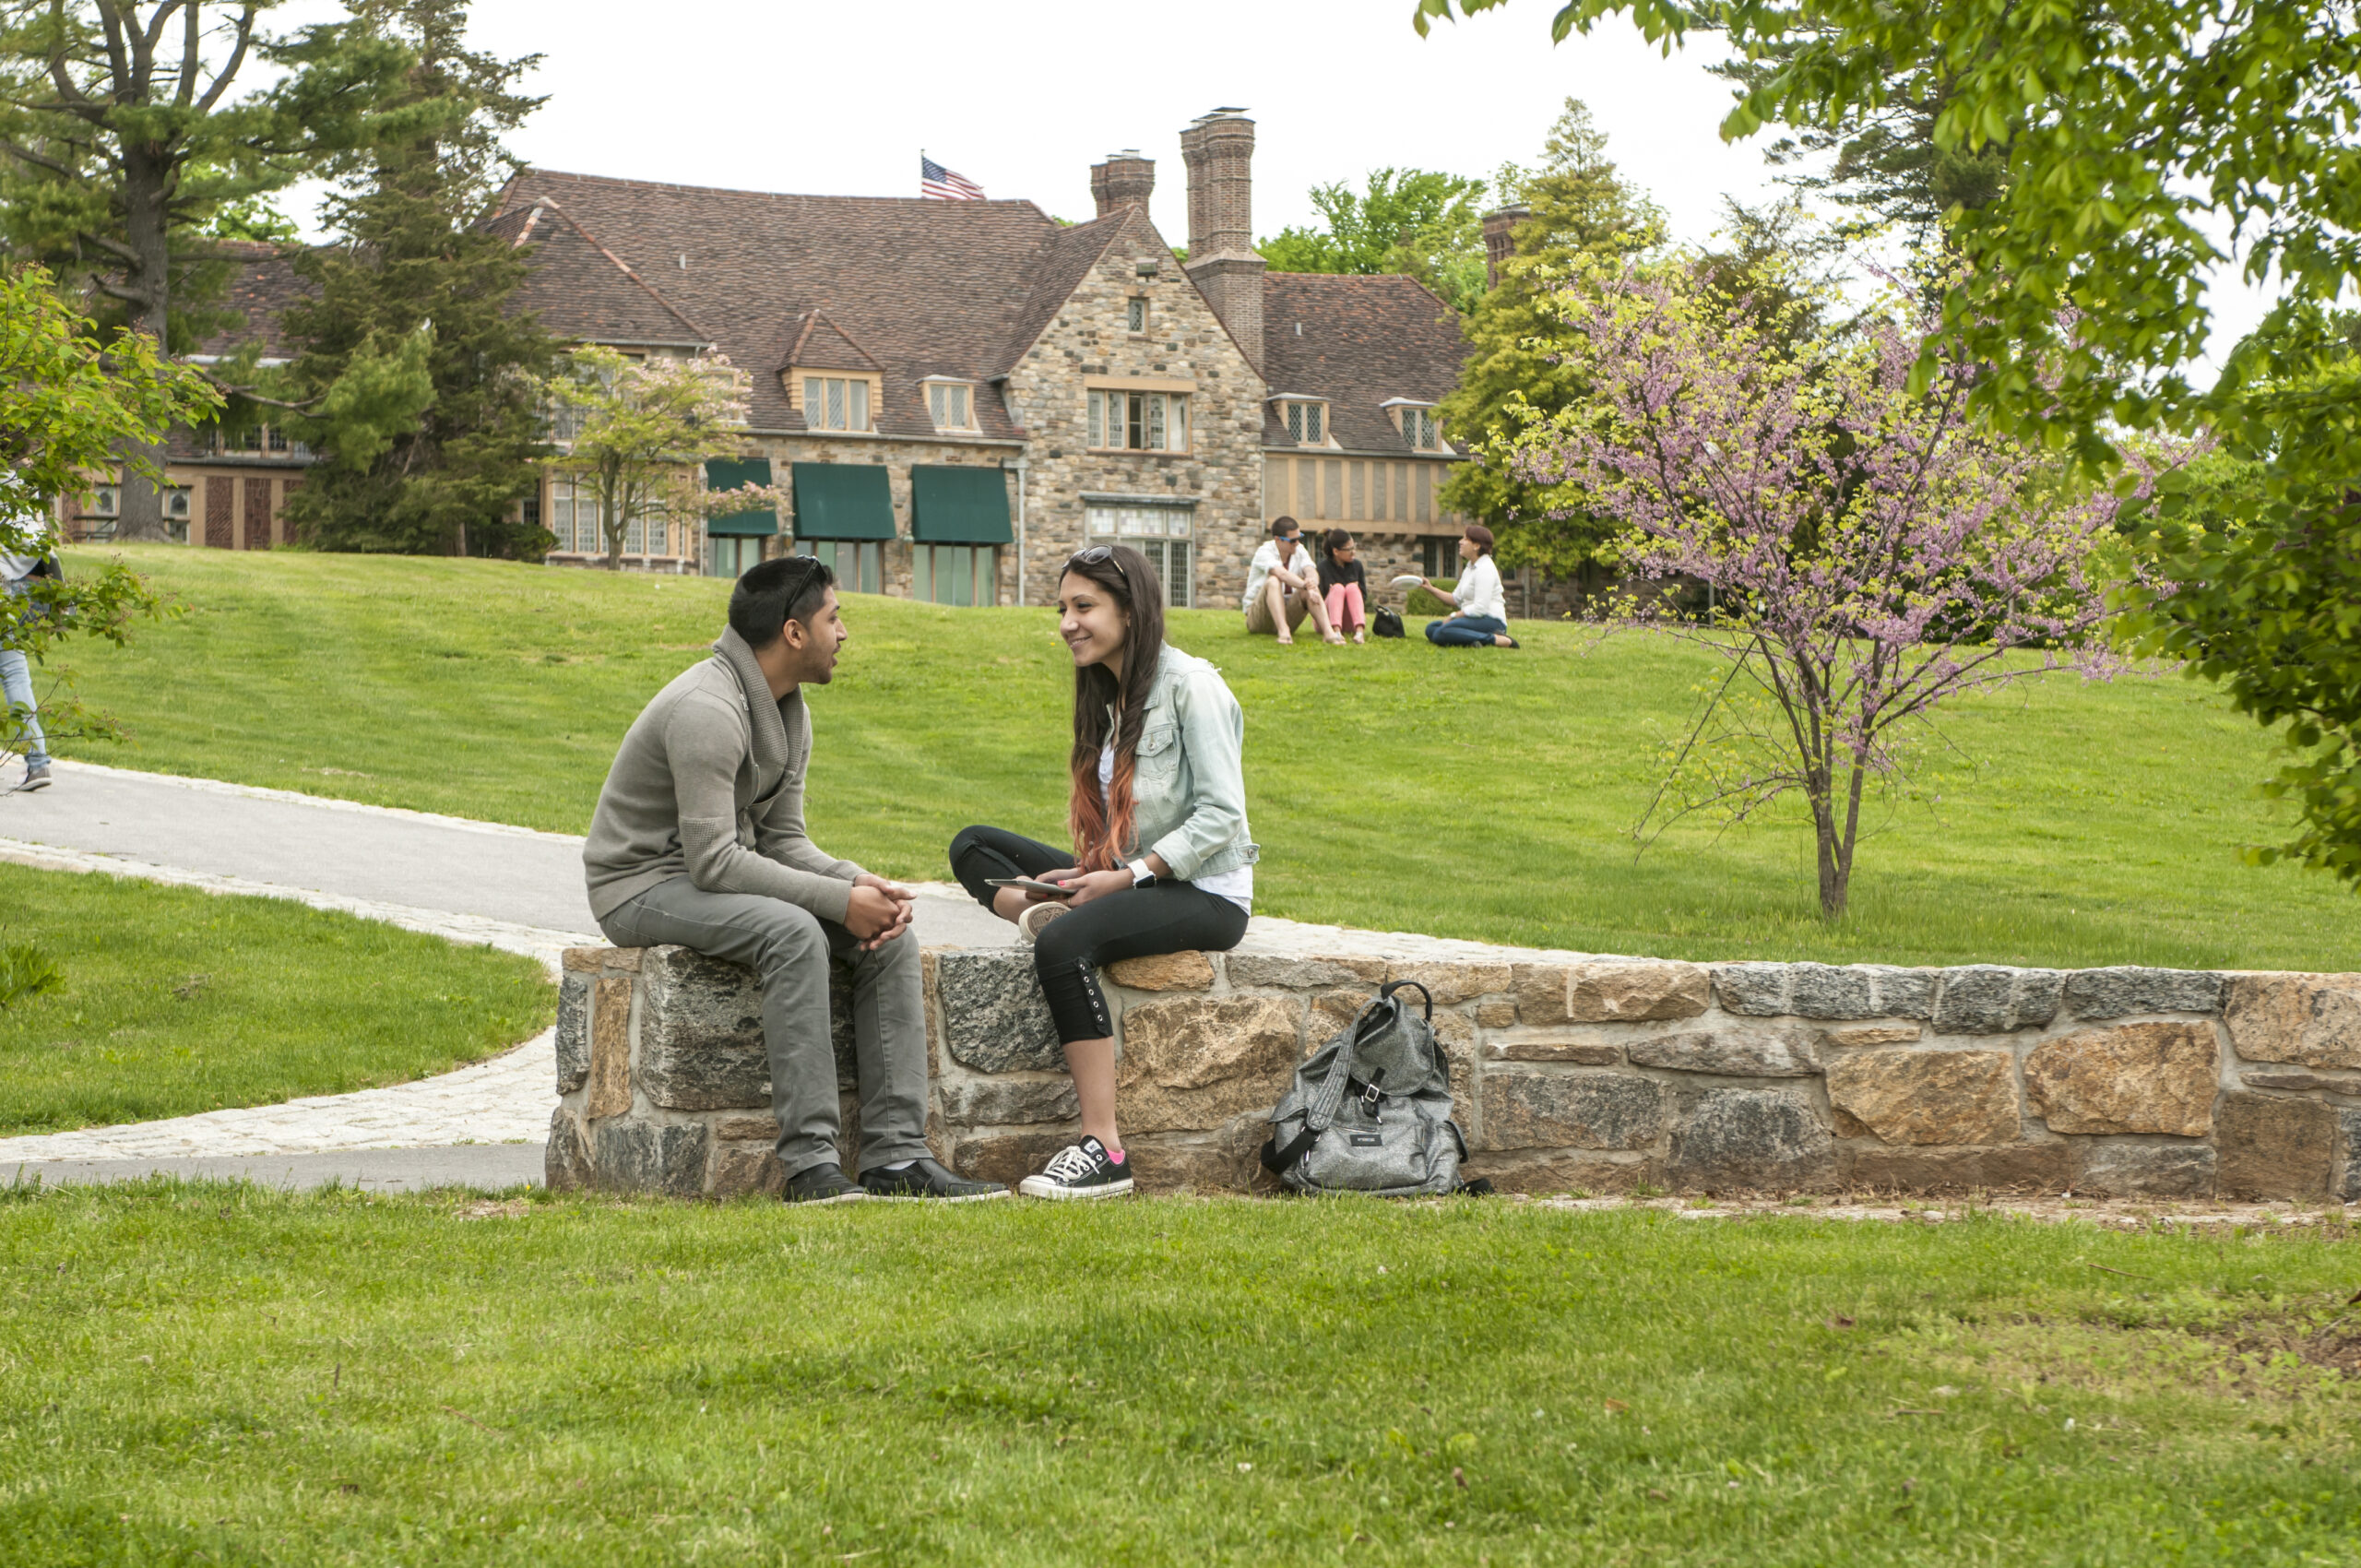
x,y
698,841
1283,586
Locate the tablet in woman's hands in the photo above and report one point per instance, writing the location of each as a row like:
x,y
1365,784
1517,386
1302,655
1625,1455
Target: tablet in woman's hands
x,y
1047,889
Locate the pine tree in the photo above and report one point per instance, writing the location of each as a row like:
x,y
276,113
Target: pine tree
x,y
416,374
1581,209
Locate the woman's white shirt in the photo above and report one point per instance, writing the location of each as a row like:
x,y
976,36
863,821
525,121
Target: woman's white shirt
x,y
1238,885
1479,591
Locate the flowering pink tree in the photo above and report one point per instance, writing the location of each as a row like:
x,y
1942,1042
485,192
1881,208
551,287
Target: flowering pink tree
x,y
1869,550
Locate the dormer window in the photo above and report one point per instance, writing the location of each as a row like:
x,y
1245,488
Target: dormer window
x,y
1419,427
952,404
832,402
1307,422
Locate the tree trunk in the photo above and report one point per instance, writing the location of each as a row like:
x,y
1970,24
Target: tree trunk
x,y
142,514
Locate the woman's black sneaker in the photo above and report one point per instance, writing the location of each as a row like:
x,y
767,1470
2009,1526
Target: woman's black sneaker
x,y
924,1179
824,1184
1085,1170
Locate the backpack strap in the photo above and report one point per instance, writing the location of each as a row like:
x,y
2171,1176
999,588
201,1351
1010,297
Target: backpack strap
x,y
1385,993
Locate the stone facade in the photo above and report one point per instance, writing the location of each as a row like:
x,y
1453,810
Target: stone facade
x,y
1569,1071
1184,348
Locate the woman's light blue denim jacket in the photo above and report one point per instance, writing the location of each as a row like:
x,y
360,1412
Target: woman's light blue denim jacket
x,y
1189,779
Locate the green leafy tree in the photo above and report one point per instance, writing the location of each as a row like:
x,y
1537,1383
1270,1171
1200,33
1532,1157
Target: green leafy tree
x,y
1582,212
638,431
2136,133
414,377
121,140
69,400
1416,221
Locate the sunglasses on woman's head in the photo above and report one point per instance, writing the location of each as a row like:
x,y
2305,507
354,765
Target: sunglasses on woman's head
x,y
1092,557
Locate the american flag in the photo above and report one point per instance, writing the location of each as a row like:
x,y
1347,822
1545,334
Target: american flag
x,y
942,184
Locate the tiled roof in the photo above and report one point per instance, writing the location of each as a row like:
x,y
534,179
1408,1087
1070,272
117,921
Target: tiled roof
x,y
1059,270
261,285
583,291
1359,342
821,344
922,288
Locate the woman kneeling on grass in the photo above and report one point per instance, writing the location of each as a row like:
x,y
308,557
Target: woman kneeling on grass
x,y
1162,863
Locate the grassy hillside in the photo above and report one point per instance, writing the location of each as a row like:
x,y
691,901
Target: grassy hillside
x,y
1397,785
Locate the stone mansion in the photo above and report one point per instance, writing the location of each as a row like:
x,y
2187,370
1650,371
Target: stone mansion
x,y
959,394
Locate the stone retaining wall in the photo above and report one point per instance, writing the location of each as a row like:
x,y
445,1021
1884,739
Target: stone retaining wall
x,y
1569,1071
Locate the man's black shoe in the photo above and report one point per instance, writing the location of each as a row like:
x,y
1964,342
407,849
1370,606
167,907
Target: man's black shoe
x,y
823,1183
922,1178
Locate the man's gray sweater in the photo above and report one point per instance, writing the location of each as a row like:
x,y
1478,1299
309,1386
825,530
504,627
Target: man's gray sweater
x,y
709,785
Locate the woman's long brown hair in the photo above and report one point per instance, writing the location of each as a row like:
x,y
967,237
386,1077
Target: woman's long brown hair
x,y
1102,829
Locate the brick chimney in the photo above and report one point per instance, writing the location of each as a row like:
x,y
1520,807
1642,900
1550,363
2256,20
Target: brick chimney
x,y
1124,179
1219,150
1499,239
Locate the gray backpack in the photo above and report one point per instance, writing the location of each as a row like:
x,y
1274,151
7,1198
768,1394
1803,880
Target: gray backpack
x,y
1370,1110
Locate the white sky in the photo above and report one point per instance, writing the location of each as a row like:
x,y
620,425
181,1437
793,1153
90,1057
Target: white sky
x,y
836,99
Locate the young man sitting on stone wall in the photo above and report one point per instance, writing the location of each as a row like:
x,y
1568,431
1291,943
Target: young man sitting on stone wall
x,y
699,840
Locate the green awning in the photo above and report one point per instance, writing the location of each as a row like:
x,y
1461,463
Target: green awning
x,y
842,500
959,506
729,474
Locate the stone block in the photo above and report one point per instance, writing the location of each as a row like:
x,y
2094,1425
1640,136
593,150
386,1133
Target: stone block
x,y
2022,1167
1901,993
1300,974
1990,999
2131,1078
994,1016
566,1164
1561,1171
1552,1045
1342,1006
2348,1188
997,1102
573,1032
610,1048
1768,1139
741,1170
1831,991
2104,1168
582,960
742,1129
1597,1111
2295,1081
1164,971
1757,990
1225,1160
1611,991
1740,1051
1926,1096
2121,992
1848,1038
647,1157
2308,1020
701,1033
2269,1148
1496,1014
591,960
1450,983
1456,1035
1193,1062
1006,1158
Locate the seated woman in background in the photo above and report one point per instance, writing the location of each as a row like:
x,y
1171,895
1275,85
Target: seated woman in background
x,y
1481,607
1161,863
1343,585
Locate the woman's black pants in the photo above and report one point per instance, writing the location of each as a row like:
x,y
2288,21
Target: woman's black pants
x,y
1170,916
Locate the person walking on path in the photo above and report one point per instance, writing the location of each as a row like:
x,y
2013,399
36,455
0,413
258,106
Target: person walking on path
x,y
1162,862
1283,586
1479,617
698,839
1343,585
17,573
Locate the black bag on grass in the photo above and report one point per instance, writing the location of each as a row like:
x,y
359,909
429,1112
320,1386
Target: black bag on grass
x,y
1384,622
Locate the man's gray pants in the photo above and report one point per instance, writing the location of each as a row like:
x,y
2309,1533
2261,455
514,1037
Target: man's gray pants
x,y
790,949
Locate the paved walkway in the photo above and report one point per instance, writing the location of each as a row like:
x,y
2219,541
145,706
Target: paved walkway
x,y
511,887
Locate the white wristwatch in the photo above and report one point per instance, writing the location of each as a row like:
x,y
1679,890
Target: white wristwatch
x,y
1141,876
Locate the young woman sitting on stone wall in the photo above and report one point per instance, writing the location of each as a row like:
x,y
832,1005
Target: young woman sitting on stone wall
x,y
1162,860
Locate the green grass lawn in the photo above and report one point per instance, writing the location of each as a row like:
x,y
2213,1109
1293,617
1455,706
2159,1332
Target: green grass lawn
x,y
175,1001
1396,785
219,1374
